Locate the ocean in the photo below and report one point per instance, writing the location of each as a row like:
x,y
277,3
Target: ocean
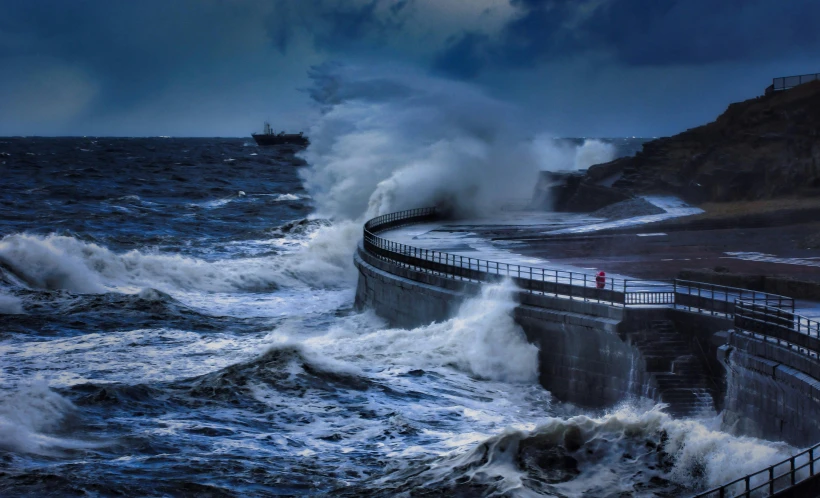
x,y
177,319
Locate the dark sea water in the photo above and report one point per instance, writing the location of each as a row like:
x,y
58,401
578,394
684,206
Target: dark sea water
x,y
175,322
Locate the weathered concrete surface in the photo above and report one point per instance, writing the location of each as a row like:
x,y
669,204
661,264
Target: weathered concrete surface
x,y
772,391
404,301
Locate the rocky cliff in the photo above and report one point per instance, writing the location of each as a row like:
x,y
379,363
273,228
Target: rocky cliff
x,y
758,149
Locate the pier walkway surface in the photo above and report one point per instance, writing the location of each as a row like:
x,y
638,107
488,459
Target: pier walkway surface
x,y
575,243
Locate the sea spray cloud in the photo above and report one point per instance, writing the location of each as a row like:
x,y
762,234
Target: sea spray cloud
x,y
393,139
555,154
390,139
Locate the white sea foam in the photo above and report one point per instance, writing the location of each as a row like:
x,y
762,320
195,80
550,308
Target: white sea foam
x,y
218,202
62,262
482,339
641,445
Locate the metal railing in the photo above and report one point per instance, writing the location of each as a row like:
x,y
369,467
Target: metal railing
x,y
759,313
783,327
796,332
772,479
714,299
546,281
720,299
786,82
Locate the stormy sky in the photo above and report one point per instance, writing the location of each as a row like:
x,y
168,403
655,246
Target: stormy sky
x,y
221,67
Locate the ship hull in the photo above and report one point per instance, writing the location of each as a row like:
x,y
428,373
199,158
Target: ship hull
x,y
265,140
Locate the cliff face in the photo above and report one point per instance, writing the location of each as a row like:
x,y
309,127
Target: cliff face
x,y
758,149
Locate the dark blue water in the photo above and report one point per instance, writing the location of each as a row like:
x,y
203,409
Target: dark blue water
x,y
174,322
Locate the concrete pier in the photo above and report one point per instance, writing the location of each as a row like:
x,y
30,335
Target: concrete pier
x,y
597,354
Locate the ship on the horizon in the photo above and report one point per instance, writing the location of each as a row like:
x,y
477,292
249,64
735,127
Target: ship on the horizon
x,y
268,137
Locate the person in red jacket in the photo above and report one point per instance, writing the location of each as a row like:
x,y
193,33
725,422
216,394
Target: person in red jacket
x,y
600,280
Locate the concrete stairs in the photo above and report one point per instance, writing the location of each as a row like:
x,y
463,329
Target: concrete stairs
x,y
681,379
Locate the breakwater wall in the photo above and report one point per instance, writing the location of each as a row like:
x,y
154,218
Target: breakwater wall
x,y
697,346
582,358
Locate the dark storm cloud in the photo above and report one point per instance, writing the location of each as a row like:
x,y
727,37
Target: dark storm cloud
x,y
132,49
131,45
336,25
110,57
640,33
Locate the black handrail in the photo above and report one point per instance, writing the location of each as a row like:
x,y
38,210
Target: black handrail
x,y
773,479
720,299
622,292
784,327
780,326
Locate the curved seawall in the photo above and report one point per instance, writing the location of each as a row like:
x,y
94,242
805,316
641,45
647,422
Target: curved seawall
x,y
695,346
582,358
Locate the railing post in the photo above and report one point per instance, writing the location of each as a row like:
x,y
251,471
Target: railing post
x,y
771,480
713,301
746,480
585,286
811,461
791,463
612,292
675,293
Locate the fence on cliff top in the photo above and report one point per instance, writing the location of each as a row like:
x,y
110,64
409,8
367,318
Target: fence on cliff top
x,y
786,82
710,298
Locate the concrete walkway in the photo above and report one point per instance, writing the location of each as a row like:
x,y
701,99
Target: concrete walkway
x,y
461,238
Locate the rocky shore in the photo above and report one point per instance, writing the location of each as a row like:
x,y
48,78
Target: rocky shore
x,y
764,148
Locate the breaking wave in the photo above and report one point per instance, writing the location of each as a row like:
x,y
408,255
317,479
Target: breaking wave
x,y
626,453
31,418
392,139
58,262
482,339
